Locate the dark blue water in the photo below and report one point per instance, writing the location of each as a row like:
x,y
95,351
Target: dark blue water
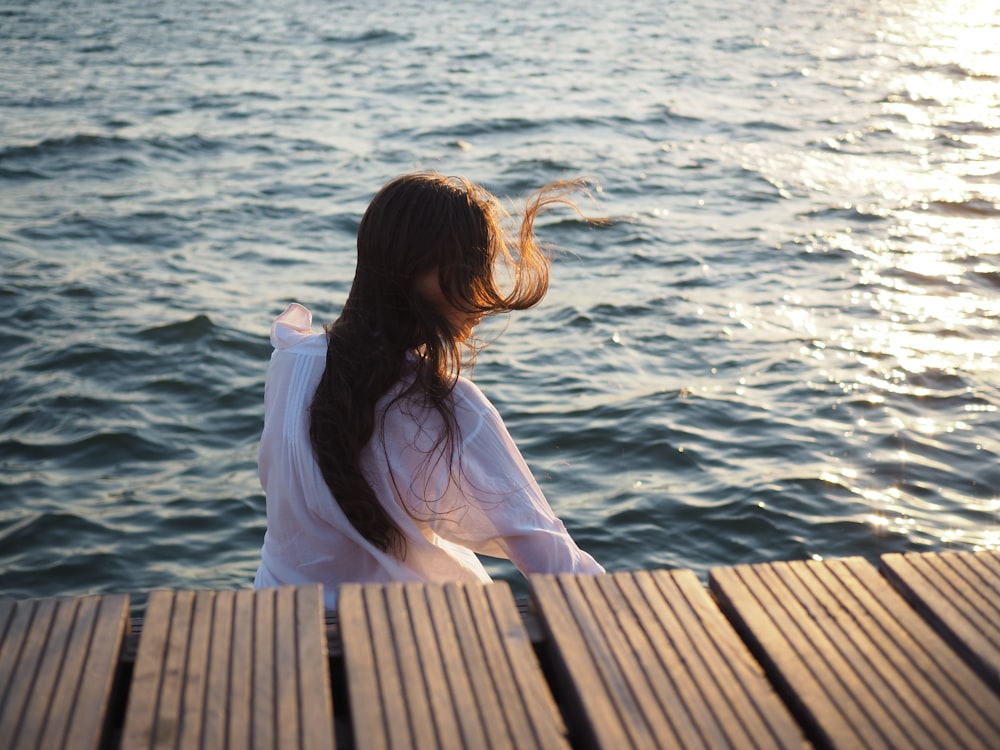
x,y
786,347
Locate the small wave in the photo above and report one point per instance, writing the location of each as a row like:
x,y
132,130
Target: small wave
x,y
991,278
957,129
954,70
97,48
974,208
665,111
182,332
539,170
65,153
105,448
952,396
949,140
188,145
10,340
938,386
912,98
770,125
612,313
59,529
371,36
184,342
51,570
850,212
987,179
51,158
154,229
471,129
7,173
74,144
82,359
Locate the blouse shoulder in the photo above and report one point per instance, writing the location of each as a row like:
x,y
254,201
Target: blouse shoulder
x,y
466,395
293,330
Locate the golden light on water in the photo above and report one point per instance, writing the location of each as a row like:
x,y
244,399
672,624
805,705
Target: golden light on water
x,y
929,344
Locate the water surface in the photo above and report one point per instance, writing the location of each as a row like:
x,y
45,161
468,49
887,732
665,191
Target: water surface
x,y
785,348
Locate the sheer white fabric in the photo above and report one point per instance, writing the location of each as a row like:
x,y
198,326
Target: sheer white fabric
x,y
488,504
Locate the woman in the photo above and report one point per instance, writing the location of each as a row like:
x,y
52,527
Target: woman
x,y
379,461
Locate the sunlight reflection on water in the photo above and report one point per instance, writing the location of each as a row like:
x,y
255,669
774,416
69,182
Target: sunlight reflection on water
x,y
789,349
931,278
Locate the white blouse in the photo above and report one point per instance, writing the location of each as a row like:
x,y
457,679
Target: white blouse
x,y
488,503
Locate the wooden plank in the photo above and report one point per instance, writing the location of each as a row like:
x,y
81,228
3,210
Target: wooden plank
x,y
455,723
859,666
522,661
20,658
407,658
474,661
572,635
780,626
443,666
314,696
239,705
958,593
239,669
171,710
729,680
386,710
646,660
359,660
218,671
58,663
451,672
264,672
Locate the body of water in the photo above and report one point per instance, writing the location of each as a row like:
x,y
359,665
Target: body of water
x,y
787,347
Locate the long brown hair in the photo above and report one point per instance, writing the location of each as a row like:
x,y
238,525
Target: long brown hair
x,y
417,224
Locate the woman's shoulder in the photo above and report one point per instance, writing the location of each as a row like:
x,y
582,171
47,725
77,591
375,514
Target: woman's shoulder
x,y
468,398
293,330
467,391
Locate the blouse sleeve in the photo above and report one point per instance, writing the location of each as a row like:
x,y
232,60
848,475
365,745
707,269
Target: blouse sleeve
x,y
489,501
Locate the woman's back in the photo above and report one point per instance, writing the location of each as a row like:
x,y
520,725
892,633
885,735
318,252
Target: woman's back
x,y
378,460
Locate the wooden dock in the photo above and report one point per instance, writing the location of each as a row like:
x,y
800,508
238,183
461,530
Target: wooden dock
x,y
832,654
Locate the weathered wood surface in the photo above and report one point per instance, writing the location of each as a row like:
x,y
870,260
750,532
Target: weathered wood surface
x,y
58,659
860,667
959,595
443,666
830,653
231,669
646,660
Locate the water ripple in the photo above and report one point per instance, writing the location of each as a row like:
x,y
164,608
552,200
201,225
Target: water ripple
x,y
785,346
